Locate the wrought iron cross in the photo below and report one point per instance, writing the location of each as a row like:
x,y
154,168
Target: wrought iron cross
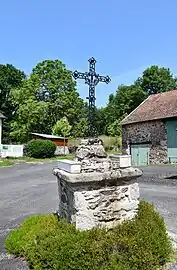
x,y
92,79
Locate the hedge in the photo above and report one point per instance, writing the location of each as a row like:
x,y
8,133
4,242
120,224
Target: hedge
x,y
41,148
48,243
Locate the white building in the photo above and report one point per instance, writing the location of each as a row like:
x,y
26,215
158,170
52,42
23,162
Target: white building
x,y
1,118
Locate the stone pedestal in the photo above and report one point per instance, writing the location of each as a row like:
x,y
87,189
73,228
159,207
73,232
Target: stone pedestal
x,y
98,199
99,192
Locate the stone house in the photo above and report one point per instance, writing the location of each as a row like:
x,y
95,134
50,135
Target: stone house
x,y
149,133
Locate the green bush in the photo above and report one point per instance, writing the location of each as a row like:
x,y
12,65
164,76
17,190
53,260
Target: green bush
x,y
41,148
47,243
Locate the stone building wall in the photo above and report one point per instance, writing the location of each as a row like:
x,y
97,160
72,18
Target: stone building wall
x,y
152,132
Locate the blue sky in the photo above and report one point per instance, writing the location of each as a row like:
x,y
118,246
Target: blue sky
x,y
124,36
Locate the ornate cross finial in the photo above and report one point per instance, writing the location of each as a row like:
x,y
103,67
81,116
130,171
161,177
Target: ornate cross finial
x,y
92,79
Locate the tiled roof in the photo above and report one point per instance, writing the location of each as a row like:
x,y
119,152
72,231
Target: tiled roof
x,y
157,106
1,115
47,136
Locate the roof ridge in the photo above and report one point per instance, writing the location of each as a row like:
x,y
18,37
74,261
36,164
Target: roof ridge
x,y
156,106
163,93
134,110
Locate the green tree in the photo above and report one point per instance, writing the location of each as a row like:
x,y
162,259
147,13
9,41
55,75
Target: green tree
x,y
80,129
62,128
125,100
51,93
54,80
30,114
114,129
100,120
9,77
157,80
58,89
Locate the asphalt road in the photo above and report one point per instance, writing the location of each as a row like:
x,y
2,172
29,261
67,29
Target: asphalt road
x,y
28,189
25,189
157,188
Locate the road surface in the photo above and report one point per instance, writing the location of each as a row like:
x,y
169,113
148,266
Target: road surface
x,y
28,189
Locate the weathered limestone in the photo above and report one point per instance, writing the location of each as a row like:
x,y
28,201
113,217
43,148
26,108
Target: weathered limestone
x,y
102,193
120,161
92,156
69,166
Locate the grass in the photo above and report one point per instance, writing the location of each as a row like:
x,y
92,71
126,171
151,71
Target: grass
x,y
30,159
12,161
113,152
6,163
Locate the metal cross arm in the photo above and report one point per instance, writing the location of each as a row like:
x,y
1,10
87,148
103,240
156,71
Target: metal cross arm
x,y
105,79
79,75
92,79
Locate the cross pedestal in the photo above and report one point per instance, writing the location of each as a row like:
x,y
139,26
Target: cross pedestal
x,y
101,192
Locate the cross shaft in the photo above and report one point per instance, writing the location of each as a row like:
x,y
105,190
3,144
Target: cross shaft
x,y
92,79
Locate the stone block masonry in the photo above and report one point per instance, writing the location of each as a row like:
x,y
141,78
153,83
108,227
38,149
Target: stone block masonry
x,y
104,190
103,193
95,199
151,132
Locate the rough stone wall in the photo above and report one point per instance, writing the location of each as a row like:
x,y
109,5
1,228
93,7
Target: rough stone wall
x,y
92,156
104,206
152,132
61,150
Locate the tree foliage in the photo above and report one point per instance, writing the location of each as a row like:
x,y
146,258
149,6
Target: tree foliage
x,y
30,114
58,89
125,100
114,129
44,98
40,102
54,78
62,128
157,80
153,80
80,129
9,77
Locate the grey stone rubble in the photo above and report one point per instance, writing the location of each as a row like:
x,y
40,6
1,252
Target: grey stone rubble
x,y
102,194
92,156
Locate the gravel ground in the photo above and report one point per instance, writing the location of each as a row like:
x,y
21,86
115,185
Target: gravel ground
x,y
8,262
28,189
